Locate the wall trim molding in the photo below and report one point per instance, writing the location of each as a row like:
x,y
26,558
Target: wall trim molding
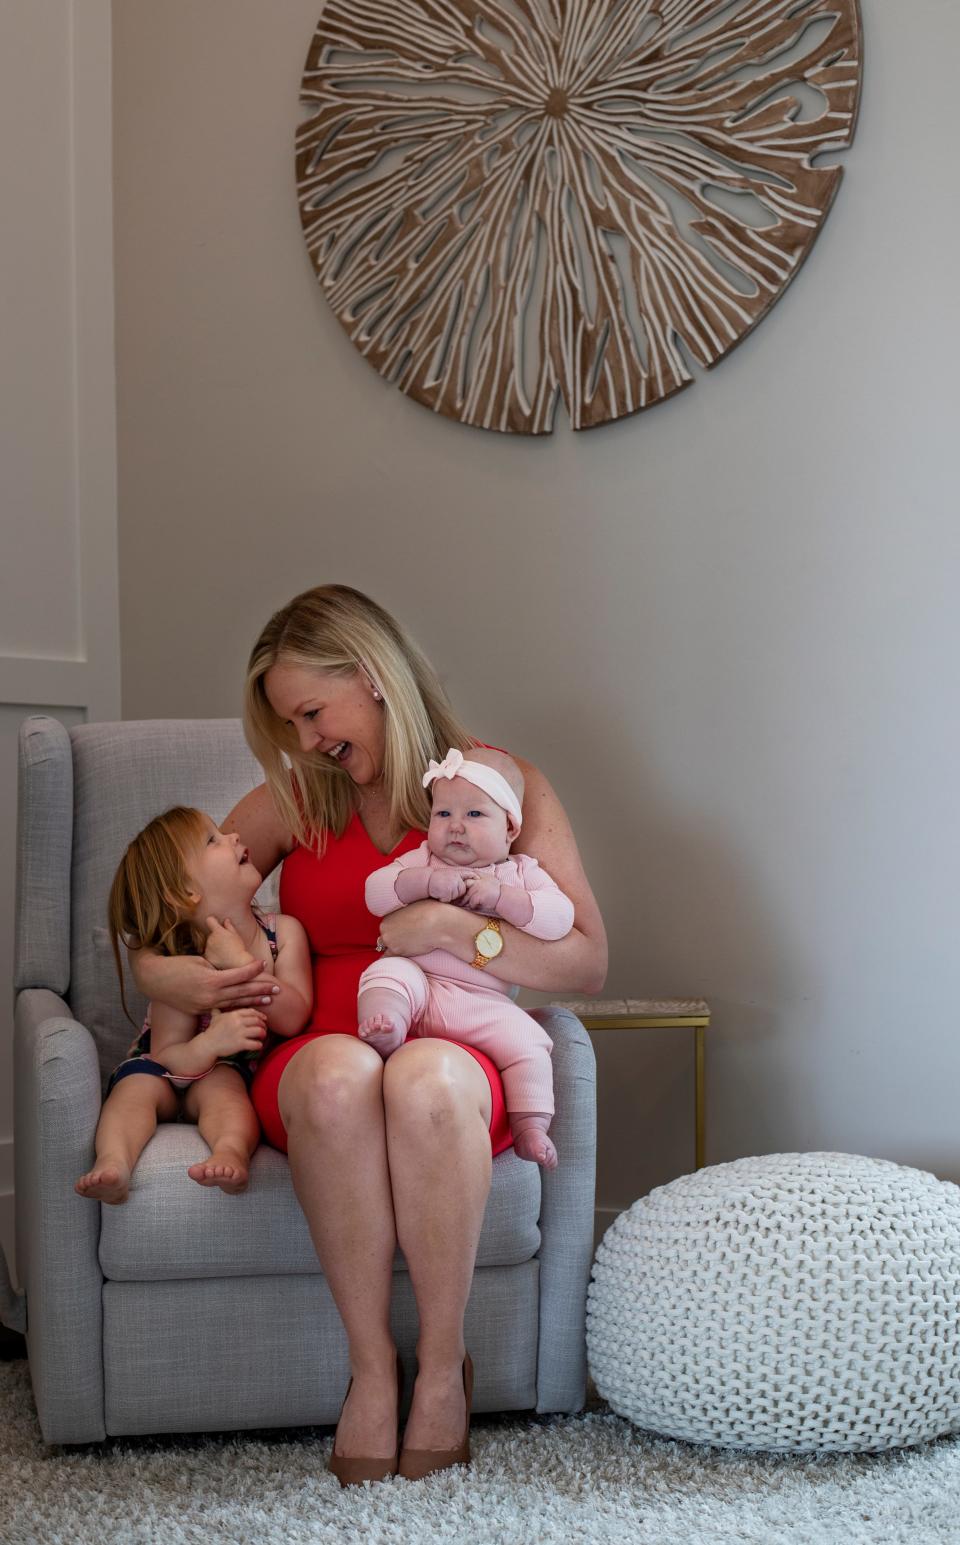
x,y
32,679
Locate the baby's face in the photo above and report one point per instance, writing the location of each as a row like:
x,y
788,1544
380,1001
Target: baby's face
x,y
467,828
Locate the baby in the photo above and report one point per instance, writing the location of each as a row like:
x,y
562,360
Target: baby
x,y
466,860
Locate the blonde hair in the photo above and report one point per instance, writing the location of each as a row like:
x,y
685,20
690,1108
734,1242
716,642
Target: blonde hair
x,y
337,629
152,894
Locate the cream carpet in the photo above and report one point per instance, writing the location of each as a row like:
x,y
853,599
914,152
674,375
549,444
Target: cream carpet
x,y
570,1479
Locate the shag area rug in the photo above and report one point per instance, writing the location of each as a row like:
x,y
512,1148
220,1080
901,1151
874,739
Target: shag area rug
x,y
566,1479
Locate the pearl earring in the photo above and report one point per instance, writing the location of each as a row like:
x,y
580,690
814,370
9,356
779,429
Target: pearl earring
x,y
377,694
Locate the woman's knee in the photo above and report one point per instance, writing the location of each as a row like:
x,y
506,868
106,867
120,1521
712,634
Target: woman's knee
x,y
432,1084
331,1084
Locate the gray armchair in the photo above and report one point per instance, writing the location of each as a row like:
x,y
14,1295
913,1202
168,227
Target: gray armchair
x,y
186,1310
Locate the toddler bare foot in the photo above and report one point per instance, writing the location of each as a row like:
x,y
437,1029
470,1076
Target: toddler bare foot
x,y
226,1168
530,1140
107,1182
384,1019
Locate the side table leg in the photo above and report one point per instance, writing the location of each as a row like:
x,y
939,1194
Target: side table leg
x,y
699,1099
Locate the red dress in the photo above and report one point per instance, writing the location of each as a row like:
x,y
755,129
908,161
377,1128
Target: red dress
x,y
327,895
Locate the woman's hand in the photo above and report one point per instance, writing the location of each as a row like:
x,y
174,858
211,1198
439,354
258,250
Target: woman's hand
x,y
189,983
423,926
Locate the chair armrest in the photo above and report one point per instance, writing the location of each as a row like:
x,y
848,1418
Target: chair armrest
x,y
41,948
567,1216
56,1107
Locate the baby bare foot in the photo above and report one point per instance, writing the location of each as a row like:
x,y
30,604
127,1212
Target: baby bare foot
x,y
382,1032
106,1182
225,1168
530,1140
537,1147
384,1019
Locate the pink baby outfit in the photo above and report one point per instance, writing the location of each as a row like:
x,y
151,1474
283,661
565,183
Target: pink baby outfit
x,y
456,1001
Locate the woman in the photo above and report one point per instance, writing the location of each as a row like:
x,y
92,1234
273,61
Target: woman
x,y
344,713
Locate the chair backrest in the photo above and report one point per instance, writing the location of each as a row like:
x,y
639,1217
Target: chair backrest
x,y
98,786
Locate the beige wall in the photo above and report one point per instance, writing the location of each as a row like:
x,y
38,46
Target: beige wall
x,y
726,629
59,623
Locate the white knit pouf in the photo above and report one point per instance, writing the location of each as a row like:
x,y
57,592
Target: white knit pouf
x,y
794,1301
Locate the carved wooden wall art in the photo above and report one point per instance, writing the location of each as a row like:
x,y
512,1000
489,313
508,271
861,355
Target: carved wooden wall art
x,y
512,201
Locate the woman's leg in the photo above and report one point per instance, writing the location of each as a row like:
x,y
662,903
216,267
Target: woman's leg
x,y
220,1106
331,1103
438,1103
127,1123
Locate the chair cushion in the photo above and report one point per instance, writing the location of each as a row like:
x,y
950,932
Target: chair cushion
x,y
172,1228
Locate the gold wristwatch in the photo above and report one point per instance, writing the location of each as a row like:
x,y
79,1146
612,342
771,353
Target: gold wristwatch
x,y
488,943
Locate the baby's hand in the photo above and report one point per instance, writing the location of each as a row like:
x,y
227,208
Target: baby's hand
x,y
446,885
224,947
240,1030
482,894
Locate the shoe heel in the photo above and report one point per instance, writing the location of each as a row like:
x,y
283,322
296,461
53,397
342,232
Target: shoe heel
x,y
354,1470
417,1463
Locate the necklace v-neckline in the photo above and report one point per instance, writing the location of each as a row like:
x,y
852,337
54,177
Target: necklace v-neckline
x,y
384,853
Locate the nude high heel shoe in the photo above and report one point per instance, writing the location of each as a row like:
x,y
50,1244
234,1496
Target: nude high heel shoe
x,y
416,1463
353,1471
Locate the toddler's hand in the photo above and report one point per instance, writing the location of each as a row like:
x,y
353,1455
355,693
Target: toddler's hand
x,y
224,947
446,885
482,894
239,1031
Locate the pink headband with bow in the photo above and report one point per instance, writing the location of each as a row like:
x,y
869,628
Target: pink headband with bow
x,y
486,778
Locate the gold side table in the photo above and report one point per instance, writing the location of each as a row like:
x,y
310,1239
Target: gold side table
x,y
656,1014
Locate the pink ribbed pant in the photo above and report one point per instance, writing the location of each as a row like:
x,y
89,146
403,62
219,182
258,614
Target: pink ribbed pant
x,y
479,1016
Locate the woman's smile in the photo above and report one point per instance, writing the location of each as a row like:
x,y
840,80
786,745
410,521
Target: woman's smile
x,y
332,715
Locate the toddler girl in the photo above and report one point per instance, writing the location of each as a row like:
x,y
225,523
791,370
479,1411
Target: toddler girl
x,y
184,887
466,860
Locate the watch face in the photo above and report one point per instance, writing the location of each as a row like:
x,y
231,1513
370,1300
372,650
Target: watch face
x,y
489,943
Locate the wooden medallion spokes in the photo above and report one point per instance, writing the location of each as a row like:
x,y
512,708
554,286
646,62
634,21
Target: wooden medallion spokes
x,y
510,202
